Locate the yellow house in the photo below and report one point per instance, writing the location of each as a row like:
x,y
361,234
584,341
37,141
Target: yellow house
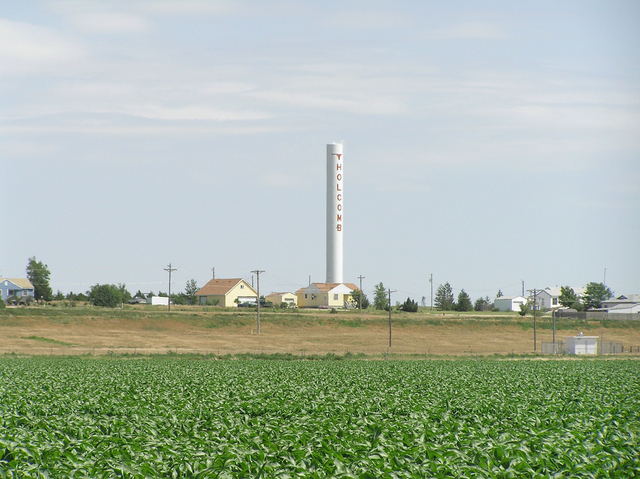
x,y
326,295
277,299
227,292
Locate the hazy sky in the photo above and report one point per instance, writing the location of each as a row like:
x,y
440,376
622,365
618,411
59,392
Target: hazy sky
x,y
485,142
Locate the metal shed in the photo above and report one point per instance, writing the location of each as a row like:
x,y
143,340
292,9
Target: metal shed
x,y
581,344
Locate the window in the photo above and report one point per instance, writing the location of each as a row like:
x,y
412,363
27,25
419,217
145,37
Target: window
x,y
335,297
305,296
555,301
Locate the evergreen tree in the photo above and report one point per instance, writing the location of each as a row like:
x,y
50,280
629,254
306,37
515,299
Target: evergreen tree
x,y
38,273
409,306
444,297
464,302
380,300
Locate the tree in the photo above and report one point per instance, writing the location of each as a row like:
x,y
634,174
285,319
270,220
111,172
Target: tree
x,y
464,301
444,297
499,294
410,306
126,295
380,300
59,296
524,309
483,304
595,294
108,295
569,299
190,291
360,299
139,294
38,273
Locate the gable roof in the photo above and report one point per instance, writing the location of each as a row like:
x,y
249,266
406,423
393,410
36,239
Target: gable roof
x,y
326,287
23,283
219,287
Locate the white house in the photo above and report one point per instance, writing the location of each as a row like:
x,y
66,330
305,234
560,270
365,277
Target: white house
x,y
549,298
509,303
581,344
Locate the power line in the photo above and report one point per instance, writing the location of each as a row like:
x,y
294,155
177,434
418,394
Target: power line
x,y
257,273
170,270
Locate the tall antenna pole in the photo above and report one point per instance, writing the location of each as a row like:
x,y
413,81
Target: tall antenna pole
x,y
257,272
431,283
170,270
213,272
361,293
604,281
389,304
522,288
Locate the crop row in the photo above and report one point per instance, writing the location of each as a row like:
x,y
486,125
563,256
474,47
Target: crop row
x,y
191,418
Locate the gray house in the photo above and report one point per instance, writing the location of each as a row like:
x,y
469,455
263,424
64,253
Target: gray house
x,y
19,287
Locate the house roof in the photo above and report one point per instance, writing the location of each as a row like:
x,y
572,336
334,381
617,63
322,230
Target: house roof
x,y
556,291
635,298
23,283
511,298
218,287
326,287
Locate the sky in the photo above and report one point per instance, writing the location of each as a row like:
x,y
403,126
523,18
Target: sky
x,y
485,142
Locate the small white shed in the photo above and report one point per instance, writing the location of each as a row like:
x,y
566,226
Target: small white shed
x,y
581,344
158,300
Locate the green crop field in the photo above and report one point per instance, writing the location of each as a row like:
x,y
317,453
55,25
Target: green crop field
x,y
160,417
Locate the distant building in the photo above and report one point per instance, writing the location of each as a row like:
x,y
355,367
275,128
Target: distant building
x,y
158,300
326,295
21,288
625,309
227,292
549,298
628,300
290,299
509,303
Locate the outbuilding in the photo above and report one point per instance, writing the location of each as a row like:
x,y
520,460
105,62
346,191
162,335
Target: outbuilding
x,y
581,345
326,295
290,299
509,303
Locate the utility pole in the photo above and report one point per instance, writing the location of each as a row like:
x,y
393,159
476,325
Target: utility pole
x,y
431,284
555,348
170,270
360,295
604,281
309,281
213,272
389,293
257,272
535,308
522,288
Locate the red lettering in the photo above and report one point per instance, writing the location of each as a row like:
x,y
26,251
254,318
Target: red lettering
x,y
339,207
338,217
338,166
339,197
339,227
339,177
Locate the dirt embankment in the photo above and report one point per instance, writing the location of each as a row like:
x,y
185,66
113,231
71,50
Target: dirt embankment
x,y
223,333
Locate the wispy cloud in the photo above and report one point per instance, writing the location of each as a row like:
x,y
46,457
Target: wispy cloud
x,y
468,31
27,48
